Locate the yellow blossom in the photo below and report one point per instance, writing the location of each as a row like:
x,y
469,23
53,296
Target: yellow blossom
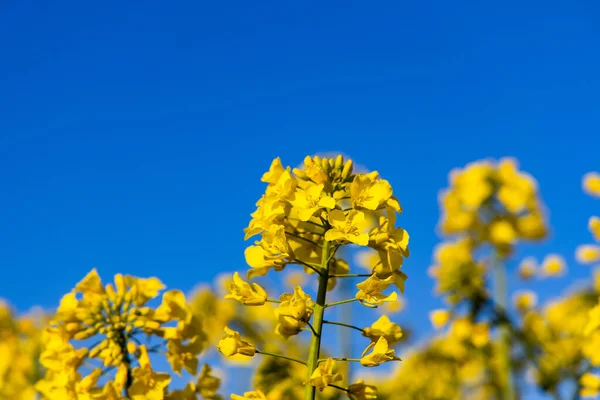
x,y
254,395
588,254
360,391
553,265
591,183
370,193
323,376
527,268
370,290
293,313
502,233
207,384
231,344
347,227
273,251
309,198
590,385
439,318
147,384
525,300
594,227
246,293
383,327
380,353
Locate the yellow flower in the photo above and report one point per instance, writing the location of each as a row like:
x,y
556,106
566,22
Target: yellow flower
x,y
391,244
590,385
525,300
310,197
594,227
380,353
270,210
439,318
313,169
383,327
144,289
502,232
553,265
147,384
323,375
370,193
275,171
91,283
293,313
360,391
591,183
273,251
207,384
348,228
254,395
370,290
527,268
182,354
594,321
516,188
481,334
588,253
231,344
246,293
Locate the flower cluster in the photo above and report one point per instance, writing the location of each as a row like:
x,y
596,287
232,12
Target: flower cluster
x,y
304,217
20,347
98,329
494,202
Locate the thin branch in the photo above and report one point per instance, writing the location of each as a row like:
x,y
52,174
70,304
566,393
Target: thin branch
x,y
339,388
350,275
280,356
345,325
347,359
303,238
307,265
337,303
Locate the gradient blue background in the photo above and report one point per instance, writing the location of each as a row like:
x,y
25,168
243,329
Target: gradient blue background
x,y
133,134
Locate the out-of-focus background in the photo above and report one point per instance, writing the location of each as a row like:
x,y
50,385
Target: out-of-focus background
x,y
134,134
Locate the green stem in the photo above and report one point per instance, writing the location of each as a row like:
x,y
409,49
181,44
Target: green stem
x,y
292,234
280,356
319,308
501,300
337,303
350,275
308,265
338,387
341,359
342,324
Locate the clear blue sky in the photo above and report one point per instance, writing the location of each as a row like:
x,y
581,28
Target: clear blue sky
x,y
133,134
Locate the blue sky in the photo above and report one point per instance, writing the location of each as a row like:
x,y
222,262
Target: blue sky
x,y
133,135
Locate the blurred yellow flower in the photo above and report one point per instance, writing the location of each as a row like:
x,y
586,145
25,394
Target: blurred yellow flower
x,y
439,318
553,265
591,183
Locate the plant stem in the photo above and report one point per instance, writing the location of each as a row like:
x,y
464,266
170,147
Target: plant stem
x,y
350,275
319,308
280,356
337,303
342,324
501,300
338,387
347,359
